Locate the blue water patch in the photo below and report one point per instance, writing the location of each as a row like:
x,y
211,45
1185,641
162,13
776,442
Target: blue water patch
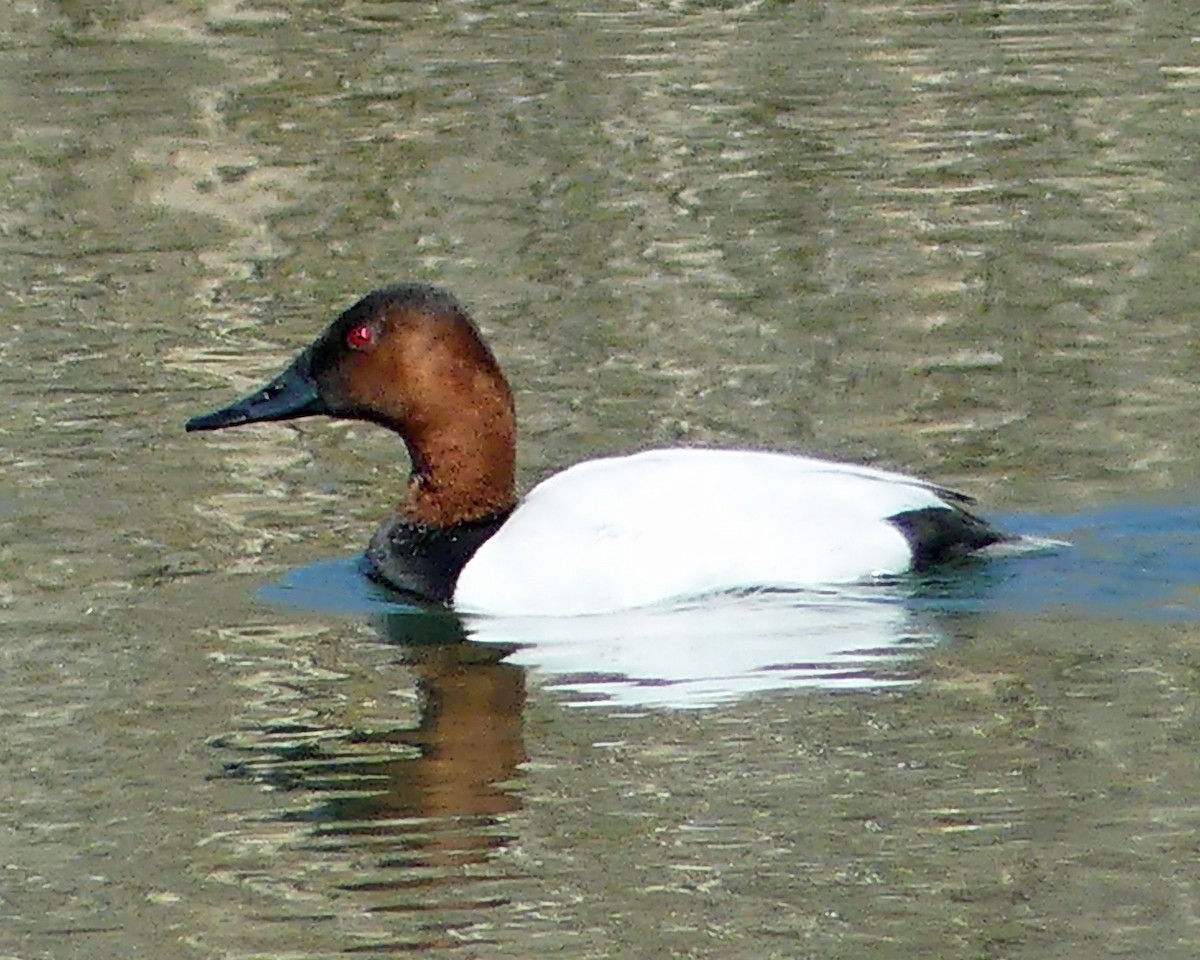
x,y
1125,562
336,586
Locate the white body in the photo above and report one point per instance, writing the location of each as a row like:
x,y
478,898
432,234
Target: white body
x,y
631,531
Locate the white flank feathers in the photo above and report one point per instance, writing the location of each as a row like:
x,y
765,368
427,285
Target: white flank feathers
x,y
626,532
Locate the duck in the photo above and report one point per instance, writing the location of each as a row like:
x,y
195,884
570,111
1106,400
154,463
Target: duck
x,y
609,534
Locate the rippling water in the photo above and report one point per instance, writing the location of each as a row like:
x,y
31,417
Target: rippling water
x,y
953,238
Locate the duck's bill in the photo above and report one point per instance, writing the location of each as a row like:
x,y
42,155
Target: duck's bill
x,y
290,395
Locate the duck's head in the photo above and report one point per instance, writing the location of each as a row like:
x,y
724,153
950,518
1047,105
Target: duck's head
x,y
408,358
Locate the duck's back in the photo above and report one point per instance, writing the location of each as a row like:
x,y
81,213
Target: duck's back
x,y
630,531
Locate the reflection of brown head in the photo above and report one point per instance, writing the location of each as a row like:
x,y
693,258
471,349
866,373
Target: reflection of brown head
x,y
469,747
470,732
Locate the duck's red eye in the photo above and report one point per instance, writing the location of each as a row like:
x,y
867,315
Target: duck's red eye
x,y
361,337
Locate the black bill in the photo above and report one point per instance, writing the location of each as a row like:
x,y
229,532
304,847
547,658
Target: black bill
x,y
290,395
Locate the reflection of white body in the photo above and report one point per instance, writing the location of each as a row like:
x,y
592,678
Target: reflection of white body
x,y
624,532
716,649
684,654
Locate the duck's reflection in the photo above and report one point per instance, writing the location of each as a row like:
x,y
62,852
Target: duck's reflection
x,y
688,654
469,735
408,817
708,651
415,816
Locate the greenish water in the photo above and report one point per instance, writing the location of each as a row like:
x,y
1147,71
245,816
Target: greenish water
x,y
953,238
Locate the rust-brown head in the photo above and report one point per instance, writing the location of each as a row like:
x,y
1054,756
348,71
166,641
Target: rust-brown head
x,y
408,358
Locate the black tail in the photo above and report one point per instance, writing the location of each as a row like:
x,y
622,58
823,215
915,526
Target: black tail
x,y
938,535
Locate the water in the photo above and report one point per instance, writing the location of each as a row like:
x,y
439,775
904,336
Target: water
x,y
955,239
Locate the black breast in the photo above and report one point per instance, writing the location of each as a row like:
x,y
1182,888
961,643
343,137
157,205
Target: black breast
x,y
424,560
938,535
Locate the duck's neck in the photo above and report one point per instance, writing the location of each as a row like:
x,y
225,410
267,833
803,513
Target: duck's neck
x,y
463,469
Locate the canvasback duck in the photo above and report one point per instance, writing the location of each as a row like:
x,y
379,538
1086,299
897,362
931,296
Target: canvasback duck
x,y
607,534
